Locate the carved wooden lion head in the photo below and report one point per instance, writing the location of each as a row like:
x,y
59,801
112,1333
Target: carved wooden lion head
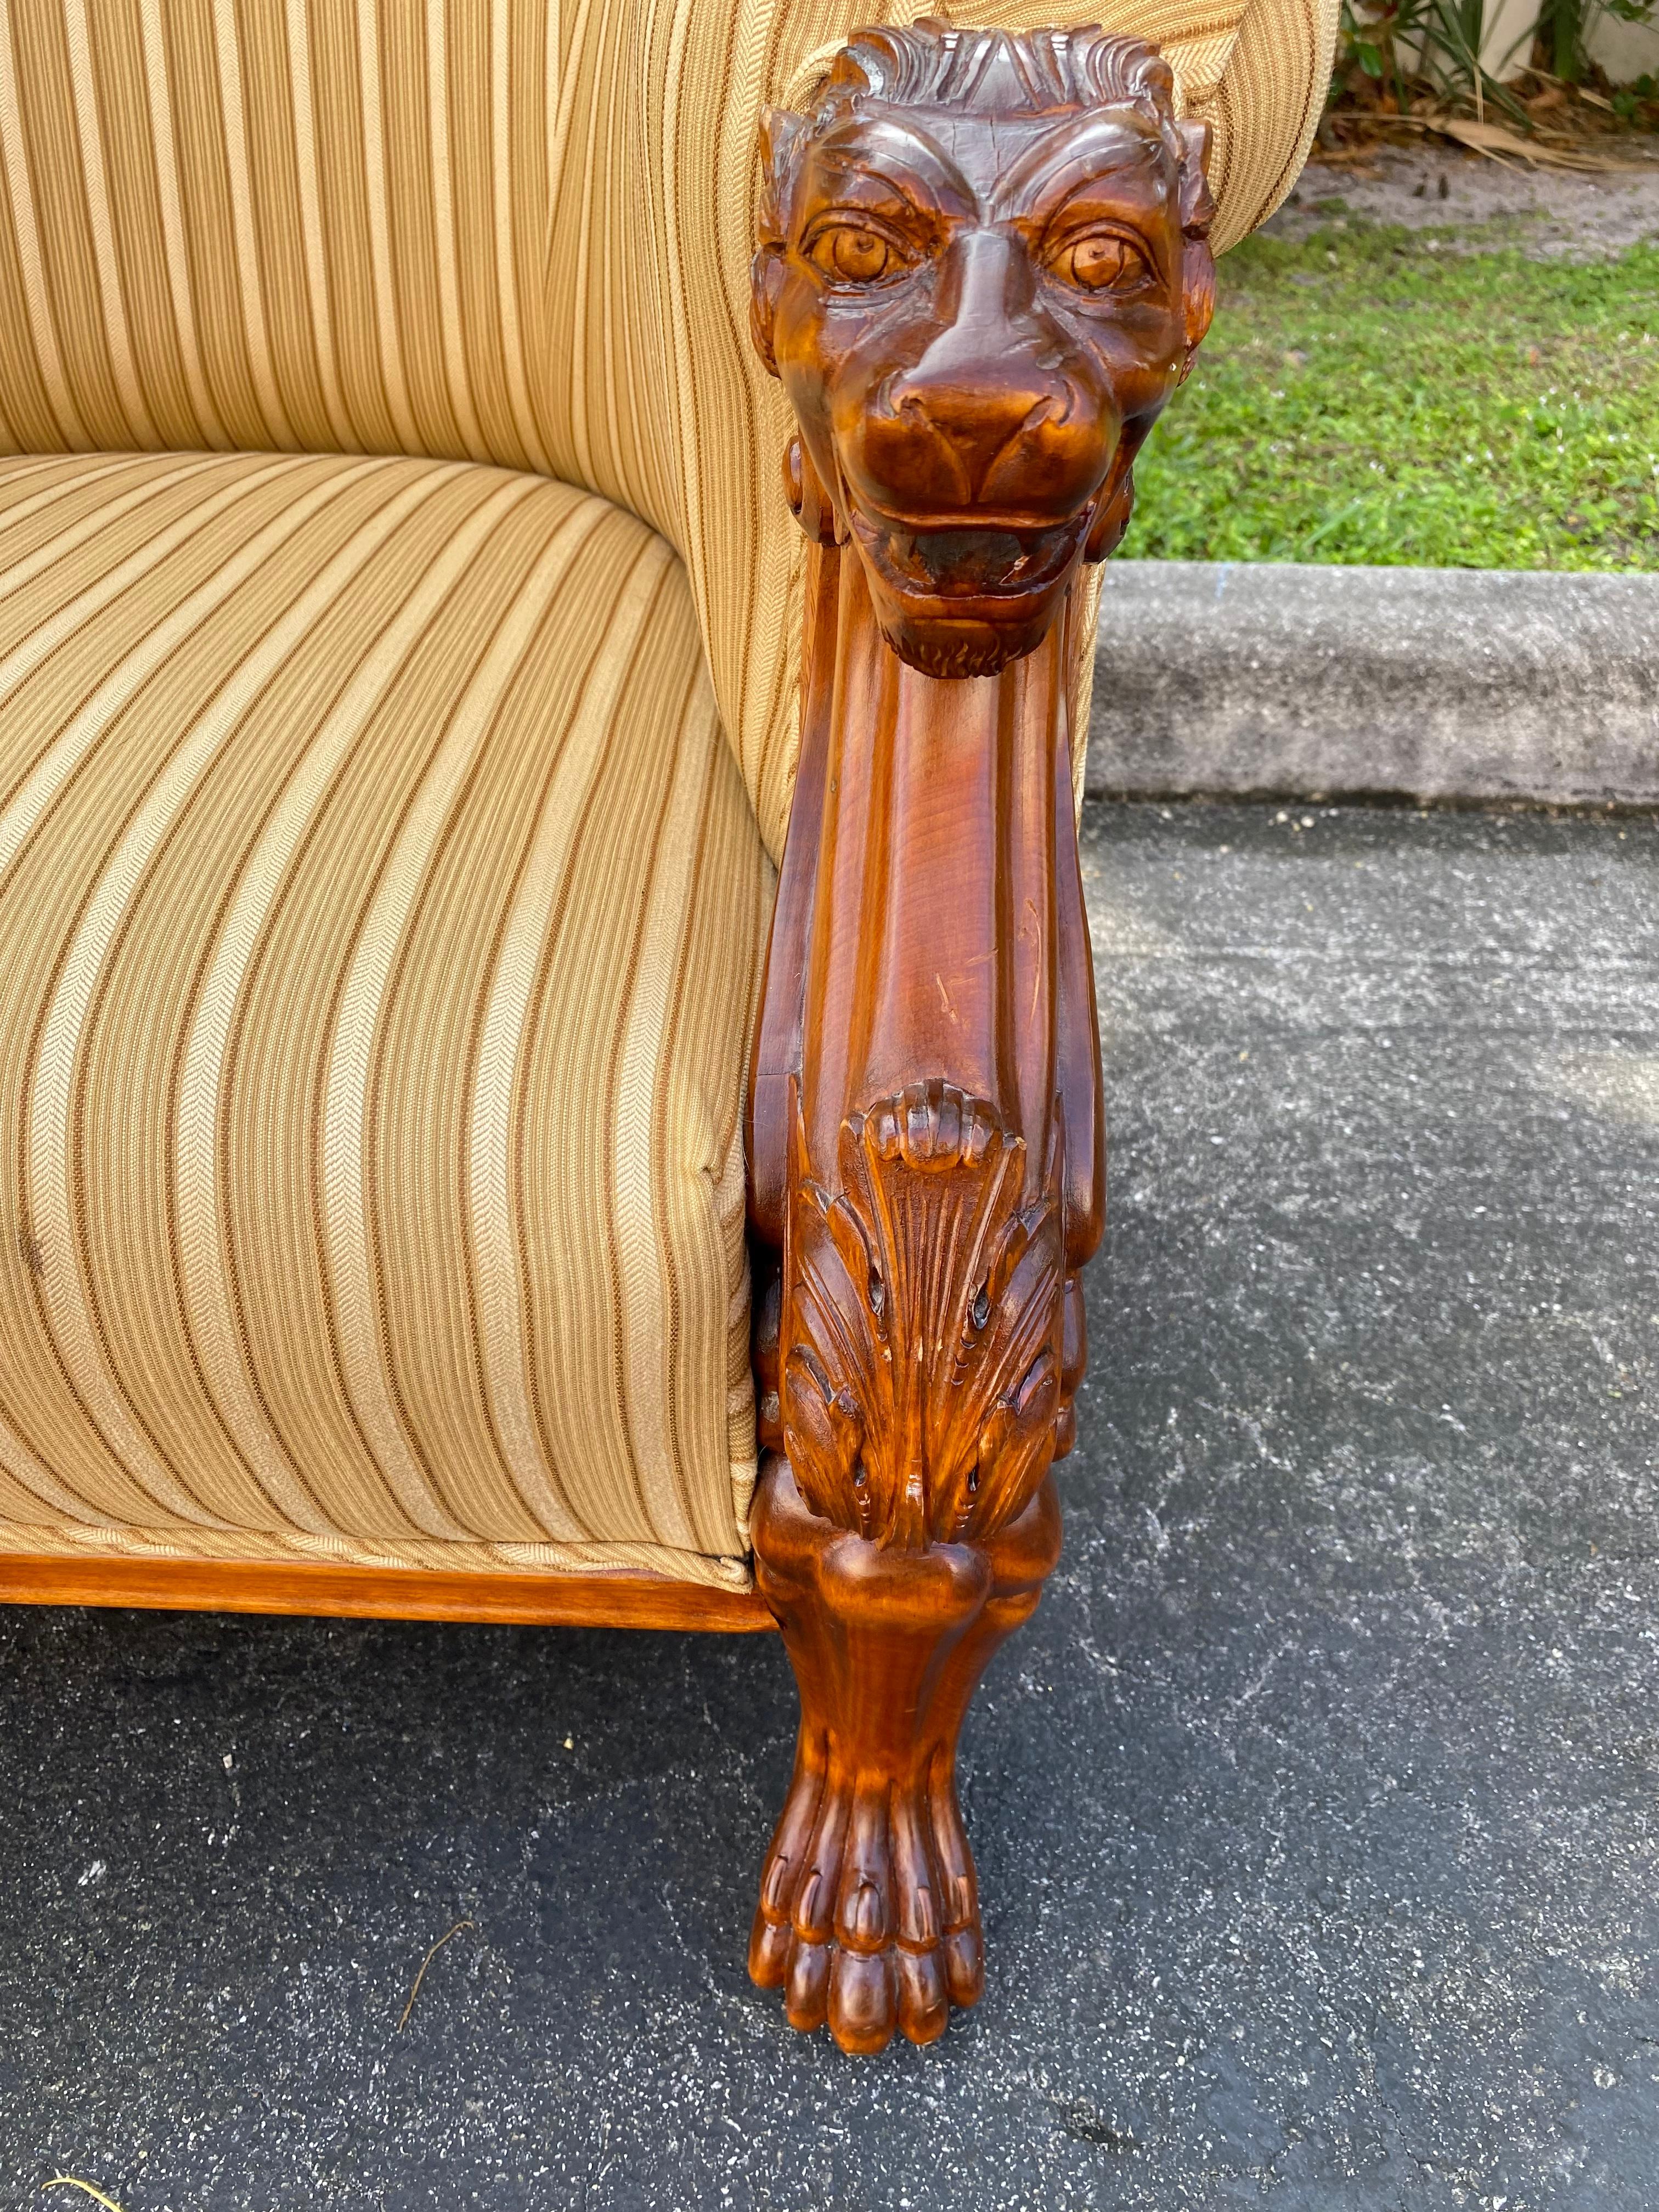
x,y
983,267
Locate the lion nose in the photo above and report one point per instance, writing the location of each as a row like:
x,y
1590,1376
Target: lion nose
x,y
987,414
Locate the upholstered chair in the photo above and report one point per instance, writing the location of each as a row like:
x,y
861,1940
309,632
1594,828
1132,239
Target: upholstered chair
x,y
547,1048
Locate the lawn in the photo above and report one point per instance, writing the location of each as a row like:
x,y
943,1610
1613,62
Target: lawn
x,y
1375,394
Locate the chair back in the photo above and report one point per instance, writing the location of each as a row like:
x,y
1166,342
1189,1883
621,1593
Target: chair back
x,y
516,232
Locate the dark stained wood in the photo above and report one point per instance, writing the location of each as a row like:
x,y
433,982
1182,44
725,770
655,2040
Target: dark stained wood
x,y
587,1600
983,270
869,1909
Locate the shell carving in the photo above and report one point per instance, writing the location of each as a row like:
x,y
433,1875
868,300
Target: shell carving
x,y
921,1333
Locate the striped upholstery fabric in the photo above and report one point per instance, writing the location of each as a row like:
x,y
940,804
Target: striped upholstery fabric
x,y
383,824
515,231
380,911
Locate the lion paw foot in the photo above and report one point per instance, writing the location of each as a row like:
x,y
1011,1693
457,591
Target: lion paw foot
x,y
869,1914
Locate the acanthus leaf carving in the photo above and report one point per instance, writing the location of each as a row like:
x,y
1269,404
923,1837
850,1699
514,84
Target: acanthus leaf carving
x,y
922,1335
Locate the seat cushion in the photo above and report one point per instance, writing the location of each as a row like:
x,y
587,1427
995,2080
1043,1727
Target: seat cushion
x,y
380,915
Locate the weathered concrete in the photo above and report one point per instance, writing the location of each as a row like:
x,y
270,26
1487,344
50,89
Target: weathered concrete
x,y
1316,1809
1289,679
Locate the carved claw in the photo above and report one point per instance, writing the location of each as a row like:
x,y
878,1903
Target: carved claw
x,y
869,1908
869,1911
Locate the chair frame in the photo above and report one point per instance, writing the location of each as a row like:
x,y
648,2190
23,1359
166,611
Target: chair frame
x,y
924,1142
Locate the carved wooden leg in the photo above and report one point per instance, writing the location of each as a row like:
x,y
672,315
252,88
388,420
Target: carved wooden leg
x,y
983,268
869,1910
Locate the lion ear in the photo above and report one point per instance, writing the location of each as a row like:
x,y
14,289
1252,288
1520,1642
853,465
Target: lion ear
x,y
779,137
1197,214
1198,295
766,275
1197,206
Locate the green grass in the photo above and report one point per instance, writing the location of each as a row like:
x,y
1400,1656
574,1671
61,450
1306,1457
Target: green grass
x,y
1362,398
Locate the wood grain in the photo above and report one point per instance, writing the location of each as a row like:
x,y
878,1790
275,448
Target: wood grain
x,y
982,269
629,1600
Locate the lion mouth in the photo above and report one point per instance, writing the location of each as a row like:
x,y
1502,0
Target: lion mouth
x,y
958,565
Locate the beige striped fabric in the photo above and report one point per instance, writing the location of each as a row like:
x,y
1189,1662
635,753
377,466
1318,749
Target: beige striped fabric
x,y
380,911
514,231
384,823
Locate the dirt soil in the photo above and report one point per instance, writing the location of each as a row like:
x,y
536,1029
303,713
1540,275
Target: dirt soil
x,y
1547,212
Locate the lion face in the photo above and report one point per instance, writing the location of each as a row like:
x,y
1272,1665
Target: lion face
x,y
981,273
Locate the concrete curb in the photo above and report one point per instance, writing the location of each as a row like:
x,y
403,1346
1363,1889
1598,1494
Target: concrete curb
x,y
1290,680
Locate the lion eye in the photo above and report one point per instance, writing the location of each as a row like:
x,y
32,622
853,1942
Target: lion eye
x,y
852,256
1102,263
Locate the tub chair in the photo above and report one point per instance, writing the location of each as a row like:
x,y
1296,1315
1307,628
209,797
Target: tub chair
x,y
548,1059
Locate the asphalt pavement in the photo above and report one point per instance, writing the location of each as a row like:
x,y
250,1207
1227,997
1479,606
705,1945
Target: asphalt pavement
x,y
1315,1812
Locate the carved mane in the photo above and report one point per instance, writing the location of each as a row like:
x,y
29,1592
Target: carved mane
x,y
932,64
